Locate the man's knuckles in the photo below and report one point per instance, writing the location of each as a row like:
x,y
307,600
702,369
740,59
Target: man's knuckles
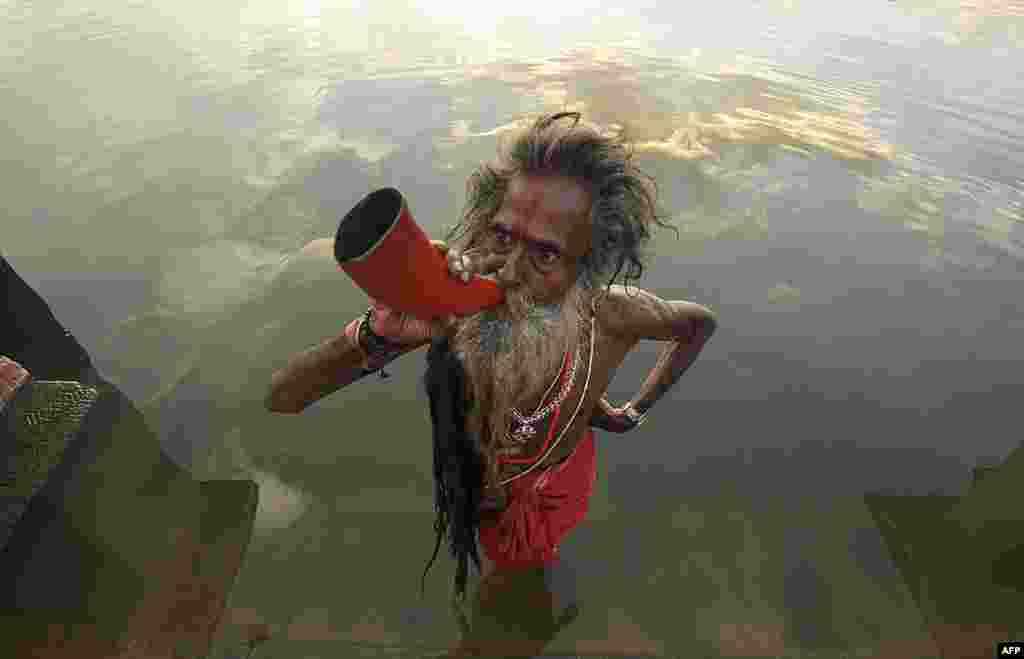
x,y
464,264
461,265
455,261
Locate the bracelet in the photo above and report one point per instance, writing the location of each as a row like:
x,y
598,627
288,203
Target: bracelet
x,y
373,345
372,341
352,332
636,417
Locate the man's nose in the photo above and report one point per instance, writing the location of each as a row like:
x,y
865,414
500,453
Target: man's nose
x,y
508,274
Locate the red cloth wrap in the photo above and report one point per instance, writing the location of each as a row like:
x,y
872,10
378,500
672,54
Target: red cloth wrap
x,y
542,507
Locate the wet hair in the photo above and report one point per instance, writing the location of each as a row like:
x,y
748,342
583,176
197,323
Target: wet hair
x,y
624,199
458,466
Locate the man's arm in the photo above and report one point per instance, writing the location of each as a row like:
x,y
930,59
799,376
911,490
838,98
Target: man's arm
x,y
322,370
339,361
636,314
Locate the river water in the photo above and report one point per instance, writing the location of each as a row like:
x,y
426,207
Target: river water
x,y
847,178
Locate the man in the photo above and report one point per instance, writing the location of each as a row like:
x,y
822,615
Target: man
x,y
515,390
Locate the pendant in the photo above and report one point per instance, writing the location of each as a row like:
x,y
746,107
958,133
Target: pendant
x,y
523,433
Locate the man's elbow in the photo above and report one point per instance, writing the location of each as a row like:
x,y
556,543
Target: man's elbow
x,y
703,325
708,324
276,405
278,401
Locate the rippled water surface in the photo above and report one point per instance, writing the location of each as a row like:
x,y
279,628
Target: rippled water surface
x,y
847,178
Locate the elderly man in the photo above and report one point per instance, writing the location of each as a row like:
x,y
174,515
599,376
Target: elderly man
x,y
515,390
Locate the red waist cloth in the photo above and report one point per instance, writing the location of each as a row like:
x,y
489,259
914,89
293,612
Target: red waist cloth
x,y
542,507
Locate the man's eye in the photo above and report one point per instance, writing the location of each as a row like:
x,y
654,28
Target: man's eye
x,y
548,257
502,236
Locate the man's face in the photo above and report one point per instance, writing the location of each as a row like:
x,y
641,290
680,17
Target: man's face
x,y
542,230
512,353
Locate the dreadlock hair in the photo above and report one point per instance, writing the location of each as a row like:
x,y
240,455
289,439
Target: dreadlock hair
x,y
458,466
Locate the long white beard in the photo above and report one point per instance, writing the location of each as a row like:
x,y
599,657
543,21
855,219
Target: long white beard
x,y
511,355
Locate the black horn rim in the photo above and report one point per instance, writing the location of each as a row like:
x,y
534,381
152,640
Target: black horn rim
x,y
367,225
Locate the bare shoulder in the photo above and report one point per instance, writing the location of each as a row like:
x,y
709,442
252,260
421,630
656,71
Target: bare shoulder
x,y
632,313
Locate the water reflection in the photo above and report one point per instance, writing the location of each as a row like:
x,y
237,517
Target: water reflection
x,y
711,114
847,185
684,113
974,20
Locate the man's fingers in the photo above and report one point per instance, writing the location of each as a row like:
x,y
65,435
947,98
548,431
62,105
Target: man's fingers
x,y
455,262
466,264
460,264
491,264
